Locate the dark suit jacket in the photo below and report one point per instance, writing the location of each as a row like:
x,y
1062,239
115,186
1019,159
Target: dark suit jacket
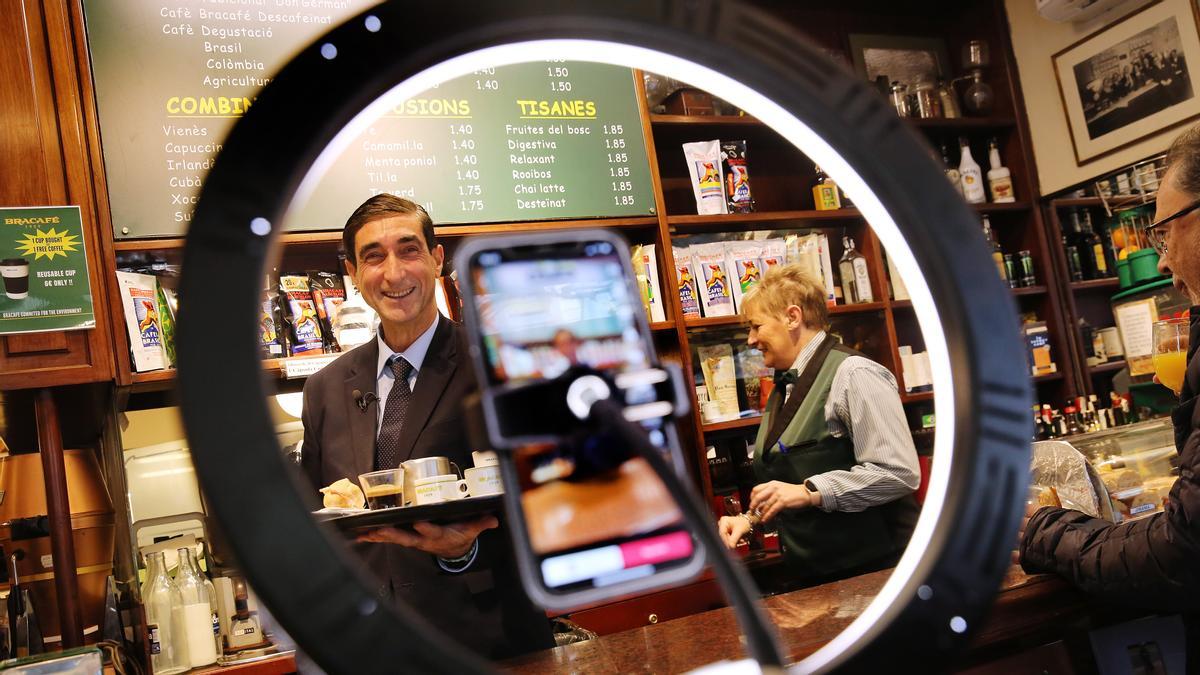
x,y
483,607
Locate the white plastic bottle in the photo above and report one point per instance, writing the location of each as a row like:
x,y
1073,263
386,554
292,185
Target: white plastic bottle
x,y
970,175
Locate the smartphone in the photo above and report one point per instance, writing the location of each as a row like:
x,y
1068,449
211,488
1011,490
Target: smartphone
x,y
590,518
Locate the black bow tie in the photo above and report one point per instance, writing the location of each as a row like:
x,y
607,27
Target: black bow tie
x,y
785,377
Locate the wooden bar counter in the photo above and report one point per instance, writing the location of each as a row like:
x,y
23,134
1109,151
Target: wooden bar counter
x,y
805,620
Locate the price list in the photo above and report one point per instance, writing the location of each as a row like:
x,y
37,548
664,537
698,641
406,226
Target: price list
x,y
534,141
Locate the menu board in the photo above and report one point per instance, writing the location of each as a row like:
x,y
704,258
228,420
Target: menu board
x,y
534,141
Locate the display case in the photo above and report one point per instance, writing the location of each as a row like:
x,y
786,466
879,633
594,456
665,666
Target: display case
x,y
1137,463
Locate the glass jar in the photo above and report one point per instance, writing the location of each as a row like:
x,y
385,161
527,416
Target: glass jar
x,y
949,100
900,98
929,105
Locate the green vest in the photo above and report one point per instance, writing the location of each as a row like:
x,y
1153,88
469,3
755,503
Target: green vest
x,y
816,543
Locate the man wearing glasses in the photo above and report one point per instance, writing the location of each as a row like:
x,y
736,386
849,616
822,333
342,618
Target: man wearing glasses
x,y
1153,562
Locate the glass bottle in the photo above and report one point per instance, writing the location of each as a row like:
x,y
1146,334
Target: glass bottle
x,y
1092,248
900,98
825,192
164,618
997,252
198,610
856,279
970,175
978,98
951,172
929,105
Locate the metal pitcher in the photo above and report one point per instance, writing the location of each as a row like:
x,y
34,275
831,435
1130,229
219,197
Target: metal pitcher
x,y
424,467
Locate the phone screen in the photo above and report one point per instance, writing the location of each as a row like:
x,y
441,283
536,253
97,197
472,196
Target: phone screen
x,y
595,512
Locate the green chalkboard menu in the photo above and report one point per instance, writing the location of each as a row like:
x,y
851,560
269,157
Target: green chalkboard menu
x,y
534,141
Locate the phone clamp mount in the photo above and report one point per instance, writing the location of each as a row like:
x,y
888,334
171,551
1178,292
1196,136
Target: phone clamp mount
x,y
585,401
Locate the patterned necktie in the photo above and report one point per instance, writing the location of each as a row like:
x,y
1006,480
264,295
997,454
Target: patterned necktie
x,y
387,444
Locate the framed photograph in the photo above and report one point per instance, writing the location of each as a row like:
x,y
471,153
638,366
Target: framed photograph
x,y
899,57
1131,79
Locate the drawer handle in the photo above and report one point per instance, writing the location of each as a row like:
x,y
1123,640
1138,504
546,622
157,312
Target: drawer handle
x,y
653,618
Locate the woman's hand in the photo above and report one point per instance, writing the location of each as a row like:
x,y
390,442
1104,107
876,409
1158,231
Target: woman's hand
x,y
768,499
732,529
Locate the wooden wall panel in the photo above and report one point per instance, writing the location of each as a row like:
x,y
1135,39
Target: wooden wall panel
x,y
46,160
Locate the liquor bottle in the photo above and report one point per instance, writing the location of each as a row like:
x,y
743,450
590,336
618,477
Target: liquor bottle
x,y
825,192
198,610
1073,426
856,280
164,618
1092,249
1074,265
999,177
970,175
1048,421
997,252
951,173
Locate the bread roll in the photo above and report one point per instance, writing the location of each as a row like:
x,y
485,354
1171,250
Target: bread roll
x,y
343,494
1128,479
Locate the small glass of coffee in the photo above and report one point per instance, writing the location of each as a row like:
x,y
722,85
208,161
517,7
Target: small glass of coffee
x,y
383,489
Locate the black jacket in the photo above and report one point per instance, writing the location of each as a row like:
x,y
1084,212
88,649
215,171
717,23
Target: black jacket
x,y
485,608
1151,563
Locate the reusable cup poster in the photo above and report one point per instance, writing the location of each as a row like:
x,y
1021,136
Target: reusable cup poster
x,y
43,262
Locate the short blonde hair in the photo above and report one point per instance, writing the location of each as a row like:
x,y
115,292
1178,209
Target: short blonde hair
x,y
786,285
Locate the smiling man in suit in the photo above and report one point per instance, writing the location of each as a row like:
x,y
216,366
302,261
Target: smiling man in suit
x,y
419,372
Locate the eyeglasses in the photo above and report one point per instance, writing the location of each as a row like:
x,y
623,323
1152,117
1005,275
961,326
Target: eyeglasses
x,y
1157,233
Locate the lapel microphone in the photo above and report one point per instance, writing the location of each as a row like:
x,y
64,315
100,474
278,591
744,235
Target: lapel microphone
x,y
363,400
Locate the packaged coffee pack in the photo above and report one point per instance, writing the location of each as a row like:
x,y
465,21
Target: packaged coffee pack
x,y
743,262
653,290
139,295
328,294
301,314
272,342
685,273
716,294
737,179
166,317
704,166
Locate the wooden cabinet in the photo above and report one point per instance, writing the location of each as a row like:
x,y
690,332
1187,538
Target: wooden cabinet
x,y
49,159
653,608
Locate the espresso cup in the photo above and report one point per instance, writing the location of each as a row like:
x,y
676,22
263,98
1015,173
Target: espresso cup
x,y
438,489
16,277
484,480
383,489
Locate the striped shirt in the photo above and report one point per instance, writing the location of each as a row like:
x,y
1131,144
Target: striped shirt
x,y
864,404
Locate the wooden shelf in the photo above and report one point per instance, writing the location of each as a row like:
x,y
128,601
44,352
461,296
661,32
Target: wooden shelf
x,y
1094,284
740,423
666,120
917,397
1029,290
963,123
1067,202
163,379
737,319
334,237
901,304
1003,208
662,325
727,222
1051,377
1109,367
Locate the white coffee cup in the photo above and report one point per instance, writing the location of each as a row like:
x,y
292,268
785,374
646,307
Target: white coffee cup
x,y
437,489
484,480
484,458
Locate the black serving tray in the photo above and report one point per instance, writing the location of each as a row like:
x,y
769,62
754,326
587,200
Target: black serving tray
x,y
467,508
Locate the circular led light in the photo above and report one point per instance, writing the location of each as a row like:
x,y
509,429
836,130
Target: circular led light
x,y
274,156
